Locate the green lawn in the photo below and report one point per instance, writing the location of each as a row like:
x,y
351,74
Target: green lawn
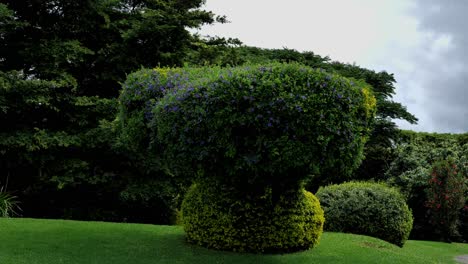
x,y
57,241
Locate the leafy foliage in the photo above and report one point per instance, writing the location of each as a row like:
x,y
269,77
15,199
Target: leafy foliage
x,y
48,145
250,137
411,170
9,205
366,208
446,193
58,85
127,34
255,125
379,150
221,219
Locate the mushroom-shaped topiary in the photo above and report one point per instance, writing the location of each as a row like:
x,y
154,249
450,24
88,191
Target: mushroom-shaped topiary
x,y
252,136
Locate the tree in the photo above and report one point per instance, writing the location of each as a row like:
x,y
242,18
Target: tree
x,y
411,171
61,64
380,149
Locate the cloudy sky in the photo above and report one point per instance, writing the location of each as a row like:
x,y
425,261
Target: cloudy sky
x,y
421,41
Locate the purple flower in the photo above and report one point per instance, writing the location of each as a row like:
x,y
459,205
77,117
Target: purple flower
x,y
148,115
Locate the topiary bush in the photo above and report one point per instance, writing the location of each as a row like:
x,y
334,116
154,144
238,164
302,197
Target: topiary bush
x,y
149,187
217,218
372,209
249,137
255,125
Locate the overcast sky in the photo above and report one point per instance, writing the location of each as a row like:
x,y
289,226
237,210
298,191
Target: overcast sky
x,y
422,42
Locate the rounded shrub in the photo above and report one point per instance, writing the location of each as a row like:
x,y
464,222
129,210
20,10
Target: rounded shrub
x,y
215,218
372,209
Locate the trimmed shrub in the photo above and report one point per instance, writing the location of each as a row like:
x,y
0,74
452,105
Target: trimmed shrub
x,y
372,209
262,125
250,136
149,187
215,218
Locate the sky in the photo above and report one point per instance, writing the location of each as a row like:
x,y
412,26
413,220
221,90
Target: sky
x,y
420,41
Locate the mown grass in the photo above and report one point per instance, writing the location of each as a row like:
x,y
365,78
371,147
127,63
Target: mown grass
x,y
31,241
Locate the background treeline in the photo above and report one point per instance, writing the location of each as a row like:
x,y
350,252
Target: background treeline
x,y
62,65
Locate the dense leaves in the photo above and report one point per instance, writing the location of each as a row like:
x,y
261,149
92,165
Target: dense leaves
x,y
223,218
96,42
379,150
446,197
61,64
261,125
250,137
366,208
411,172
